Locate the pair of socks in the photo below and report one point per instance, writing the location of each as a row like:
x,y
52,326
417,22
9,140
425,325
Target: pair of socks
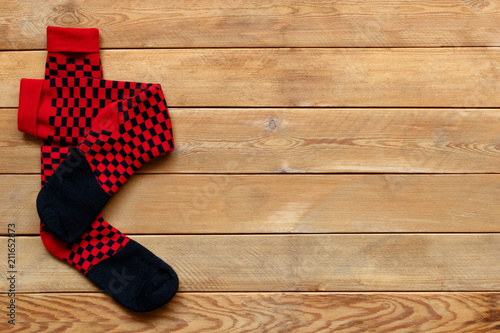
x,y
95,134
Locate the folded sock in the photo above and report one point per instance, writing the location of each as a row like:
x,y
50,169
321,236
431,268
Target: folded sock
x,y
131,128
74,53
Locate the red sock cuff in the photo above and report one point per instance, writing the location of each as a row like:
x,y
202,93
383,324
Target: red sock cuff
x,y
72,40
29,98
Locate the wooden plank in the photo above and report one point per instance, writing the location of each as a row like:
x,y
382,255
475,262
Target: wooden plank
x,y
277,23
25,65
211,204
19,152
265,312
410,77
341,262
306,141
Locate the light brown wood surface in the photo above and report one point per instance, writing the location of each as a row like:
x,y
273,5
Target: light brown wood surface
x,y
348,262
294,77
266,312
297,140
273,23
212,204
276,107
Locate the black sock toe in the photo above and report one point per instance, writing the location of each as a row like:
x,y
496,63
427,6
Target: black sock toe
x,y
136,278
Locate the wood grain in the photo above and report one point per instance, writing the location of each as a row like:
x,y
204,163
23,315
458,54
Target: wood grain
x,y
276,23
304,88
341,262
211,204
306,141
265,312
409,77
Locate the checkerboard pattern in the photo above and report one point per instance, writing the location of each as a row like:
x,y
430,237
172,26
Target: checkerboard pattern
x,y
52,154
144,132
99,242
62,66
78,102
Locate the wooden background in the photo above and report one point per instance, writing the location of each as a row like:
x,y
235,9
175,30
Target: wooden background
x,y
336,165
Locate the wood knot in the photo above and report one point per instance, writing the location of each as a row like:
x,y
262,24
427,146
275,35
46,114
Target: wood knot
x,y
272,125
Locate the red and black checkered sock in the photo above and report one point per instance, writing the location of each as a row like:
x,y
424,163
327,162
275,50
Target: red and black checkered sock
x,y
74,53
132,128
